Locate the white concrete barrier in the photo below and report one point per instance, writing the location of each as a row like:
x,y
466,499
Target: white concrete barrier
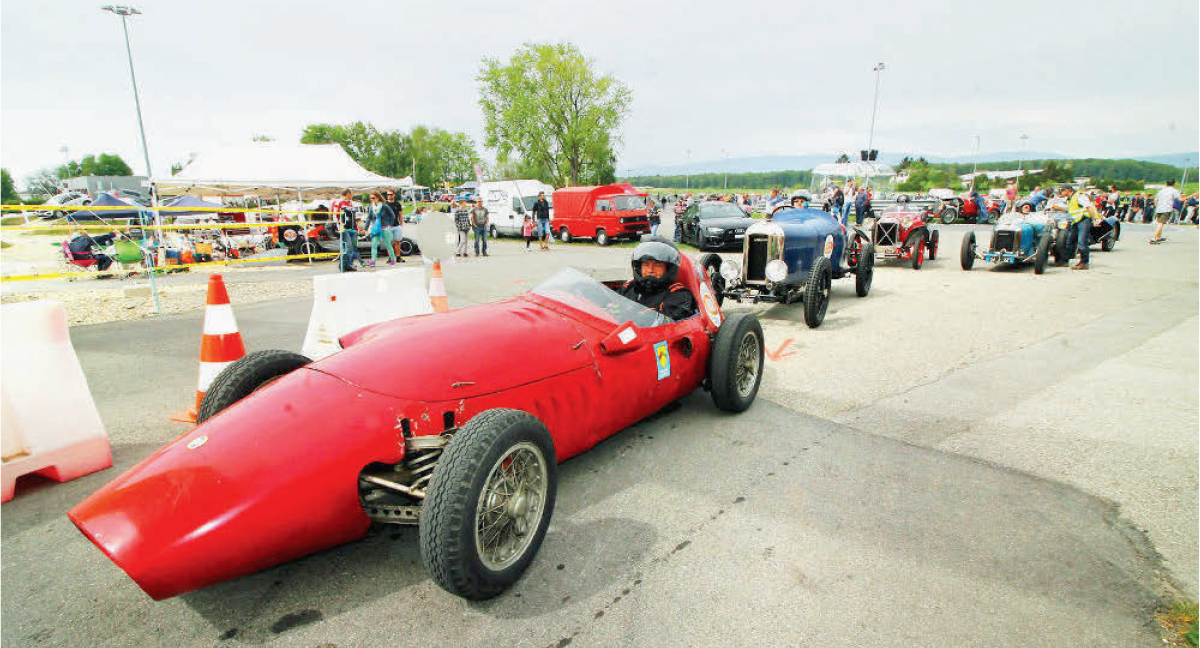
x,y
49,422
347,301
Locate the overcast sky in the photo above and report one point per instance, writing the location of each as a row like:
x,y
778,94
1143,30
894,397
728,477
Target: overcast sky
x,y
1098,78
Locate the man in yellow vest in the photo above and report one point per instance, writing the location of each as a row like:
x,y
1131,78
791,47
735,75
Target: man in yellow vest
x,y
1081,210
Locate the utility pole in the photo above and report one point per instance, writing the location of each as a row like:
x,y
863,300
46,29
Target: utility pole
x,y
687,173
975,161
726,154
1024,138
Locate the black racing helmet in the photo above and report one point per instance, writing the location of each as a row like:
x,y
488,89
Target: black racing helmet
x,y
655,248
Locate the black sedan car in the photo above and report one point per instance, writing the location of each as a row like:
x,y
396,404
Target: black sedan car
x,y
714,224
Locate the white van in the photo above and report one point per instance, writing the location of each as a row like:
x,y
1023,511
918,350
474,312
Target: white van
x,y
508,201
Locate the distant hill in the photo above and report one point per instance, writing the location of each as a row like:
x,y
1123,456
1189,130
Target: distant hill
x,y
765,163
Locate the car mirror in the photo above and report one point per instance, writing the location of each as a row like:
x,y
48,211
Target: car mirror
x,y
623,339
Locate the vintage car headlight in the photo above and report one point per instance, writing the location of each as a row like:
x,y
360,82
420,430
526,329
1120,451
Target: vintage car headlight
x,y
1062,224
730,270
715,230
776,270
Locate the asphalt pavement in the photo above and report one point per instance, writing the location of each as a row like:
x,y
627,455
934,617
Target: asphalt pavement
x,y
983,458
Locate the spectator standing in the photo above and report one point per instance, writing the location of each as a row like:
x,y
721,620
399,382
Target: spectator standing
x,y
680,207
398,230
1164,208
343,209
849,198
861,204
1081,209
655,216
479,221
1010,195
380,222
838,201
462,224
981,216
541,212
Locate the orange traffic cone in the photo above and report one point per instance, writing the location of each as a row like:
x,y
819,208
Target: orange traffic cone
x,y
220,346
437,290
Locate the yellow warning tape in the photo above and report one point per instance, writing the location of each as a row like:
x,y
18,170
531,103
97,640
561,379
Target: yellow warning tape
x,y
109,228
227,262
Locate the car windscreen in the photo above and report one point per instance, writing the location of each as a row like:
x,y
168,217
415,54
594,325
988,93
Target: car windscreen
x,y
721,210
577,290
629,203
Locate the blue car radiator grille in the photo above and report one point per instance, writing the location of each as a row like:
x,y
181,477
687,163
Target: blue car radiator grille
x,y
1005,241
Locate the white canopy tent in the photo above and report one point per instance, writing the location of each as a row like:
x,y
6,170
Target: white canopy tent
x,y
275,169
853,170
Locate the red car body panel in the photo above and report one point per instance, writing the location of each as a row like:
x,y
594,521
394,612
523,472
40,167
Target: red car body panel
x,y
275,476
575,209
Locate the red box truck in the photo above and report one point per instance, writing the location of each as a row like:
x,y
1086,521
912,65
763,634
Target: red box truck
x,y
607,212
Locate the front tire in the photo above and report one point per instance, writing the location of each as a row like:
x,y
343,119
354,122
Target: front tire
x,y
1060,248
934,238
564,235
916,246
489,503
1110,239
1042,255
967,257
407,247
493,233
244,377
602,237
736,367
816,292
864,270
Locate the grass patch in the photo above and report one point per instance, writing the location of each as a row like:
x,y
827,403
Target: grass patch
x,y
12,220
5,244
1177,624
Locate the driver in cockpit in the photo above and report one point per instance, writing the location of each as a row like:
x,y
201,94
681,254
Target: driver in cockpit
x,y
655,267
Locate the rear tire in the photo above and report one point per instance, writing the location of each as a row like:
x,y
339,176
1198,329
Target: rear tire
x,y
967,257
1110,239
564,235
816,292
736,366
462,497
407,247
602,237
246,376
948,215
1042,255
712,264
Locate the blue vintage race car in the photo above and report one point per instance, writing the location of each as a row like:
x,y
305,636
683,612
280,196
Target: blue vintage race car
x,y
1019,238
792,256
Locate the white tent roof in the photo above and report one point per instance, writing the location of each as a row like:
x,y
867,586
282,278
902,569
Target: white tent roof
x,y
853,170
273,168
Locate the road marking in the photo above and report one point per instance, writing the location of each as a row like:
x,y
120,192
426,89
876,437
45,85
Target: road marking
x,y
779,353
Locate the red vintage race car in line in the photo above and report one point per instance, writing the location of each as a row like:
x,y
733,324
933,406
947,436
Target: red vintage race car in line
x,y
904,234
419,420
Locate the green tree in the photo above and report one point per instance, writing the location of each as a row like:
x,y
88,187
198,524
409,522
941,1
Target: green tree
x,y
438,154
42,183
550,107
842,159
8,190
258,137
105,164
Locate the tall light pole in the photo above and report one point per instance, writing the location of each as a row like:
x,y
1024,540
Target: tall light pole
x,y
975,161
879,67
687,173
726,155
1024,138
125,12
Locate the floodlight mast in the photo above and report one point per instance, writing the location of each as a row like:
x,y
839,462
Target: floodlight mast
x,y
879,68
124,12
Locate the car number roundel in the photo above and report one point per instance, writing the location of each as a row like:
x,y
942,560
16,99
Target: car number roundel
x,y
829,246
709,304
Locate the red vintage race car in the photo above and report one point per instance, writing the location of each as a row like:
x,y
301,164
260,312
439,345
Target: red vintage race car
x,y
904,234
454,422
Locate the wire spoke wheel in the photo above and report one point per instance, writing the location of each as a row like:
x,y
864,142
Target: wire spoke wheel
x,y
511,505
748,361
